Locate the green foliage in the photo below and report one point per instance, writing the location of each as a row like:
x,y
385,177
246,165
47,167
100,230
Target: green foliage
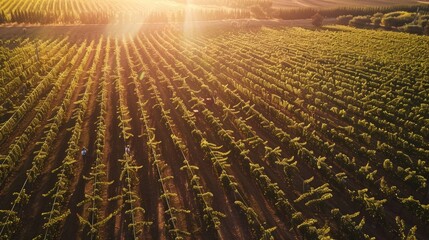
x,y
419,209
397,19
348,227
390,191
376,19
315,196
317,20
344,19
360,21
412,28
401,231
302,113
305,13
372,205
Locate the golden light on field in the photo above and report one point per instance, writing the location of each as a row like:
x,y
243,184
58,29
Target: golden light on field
x,y
189,23
145,13
130,21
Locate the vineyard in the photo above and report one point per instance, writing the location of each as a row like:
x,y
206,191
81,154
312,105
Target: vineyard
x,y
261,133
114,11
78,12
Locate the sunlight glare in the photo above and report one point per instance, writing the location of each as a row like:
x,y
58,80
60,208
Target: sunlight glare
x,y
132,20
189,23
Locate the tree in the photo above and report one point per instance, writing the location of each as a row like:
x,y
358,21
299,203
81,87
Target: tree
x,y
426,30
360,21
412,28
397,19
376,19
3,18
317,20
344,19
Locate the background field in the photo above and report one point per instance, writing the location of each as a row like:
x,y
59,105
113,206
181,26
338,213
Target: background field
x,y
337,3
236,134
138,11
138,5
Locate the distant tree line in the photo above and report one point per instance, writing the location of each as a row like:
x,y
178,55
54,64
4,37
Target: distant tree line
x,y
411,22
305,13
